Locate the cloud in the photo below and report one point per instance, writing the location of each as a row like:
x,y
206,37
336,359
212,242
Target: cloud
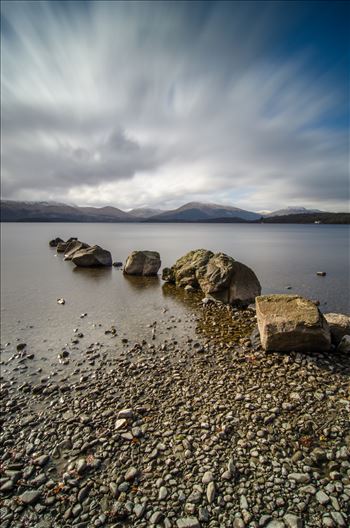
x,y
135,104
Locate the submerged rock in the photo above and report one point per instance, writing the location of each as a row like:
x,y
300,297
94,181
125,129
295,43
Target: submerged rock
x,y
91,257
54,242
217,275
339,325
142,263
290,322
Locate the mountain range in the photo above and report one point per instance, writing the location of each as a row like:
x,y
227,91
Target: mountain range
x,y
15,211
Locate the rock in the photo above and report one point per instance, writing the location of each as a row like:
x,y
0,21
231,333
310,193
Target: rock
x,y
207,477
188,522
91,257
62,246
30,497
293,521
211,492
321,497
156,517
163,493
301,478
321,273
120,424
55,242
131,473
339,325
219,276
344,345
291,323
125,413
145,263
117,264
73,248
61,301
21,346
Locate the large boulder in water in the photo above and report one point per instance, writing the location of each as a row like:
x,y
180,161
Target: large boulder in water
x,y
217,275
92,257
73,248
55,242
291,323
145,263
339,325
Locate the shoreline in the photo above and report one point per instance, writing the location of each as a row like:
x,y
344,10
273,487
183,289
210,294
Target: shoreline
x,y
209,430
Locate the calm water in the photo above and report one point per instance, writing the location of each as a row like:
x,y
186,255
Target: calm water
x,y
33,276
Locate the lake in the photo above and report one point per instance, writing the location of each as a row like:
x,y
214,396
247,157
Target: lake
x,y
33,276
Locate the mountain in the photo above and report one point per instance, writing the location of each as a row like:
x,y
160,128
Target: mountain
x,y
197,211
144,212
12,211
292,210
105,212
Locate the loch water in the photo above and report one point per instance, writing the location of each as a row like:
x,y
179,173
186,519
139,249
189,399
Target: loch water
x,y
284,257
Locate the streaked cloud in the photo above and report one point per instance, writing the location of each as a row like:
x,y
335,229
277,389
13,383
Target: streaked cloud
x,y
154,104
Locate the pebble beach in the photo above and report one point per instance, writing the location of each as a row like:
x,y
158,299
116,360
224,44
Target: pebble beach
x,y
192,425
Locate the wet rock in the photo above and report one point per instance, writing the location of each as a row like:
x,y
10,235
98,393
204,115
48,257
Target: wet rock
x,y
30,497
55,241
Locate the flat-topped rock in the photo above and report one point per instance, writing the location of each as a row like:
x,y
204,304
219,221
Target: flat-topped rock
x,y
92,257
290,322
145,263
218,275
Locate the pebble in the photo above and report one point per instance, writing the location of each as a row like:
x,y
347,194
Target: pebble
x,y
188,522
131,474
211,491
321,497
30,497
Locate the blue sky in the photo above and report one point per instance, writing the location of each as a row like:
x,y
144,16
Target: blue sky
x,y
158,103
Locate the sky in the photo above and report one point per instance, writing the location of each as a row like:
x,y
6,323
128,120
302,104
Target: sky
x,y
154,104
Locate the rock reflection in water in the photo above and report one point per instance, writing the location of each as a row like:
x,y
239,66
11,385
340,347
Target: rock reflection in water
x,y
141,283
95,274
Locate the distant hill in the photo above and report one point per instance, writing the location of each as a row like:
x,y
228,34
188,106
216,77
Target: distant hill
x,y
12,211
292,210
309,218
197,212
144,212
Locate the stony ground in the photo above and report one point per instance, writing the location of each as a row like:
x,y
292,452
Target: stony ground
x,y
210,431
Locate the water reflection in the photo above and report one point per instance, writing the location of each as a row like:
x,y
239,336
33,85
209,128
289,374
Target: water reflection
x,y
95,274
142,283
180,295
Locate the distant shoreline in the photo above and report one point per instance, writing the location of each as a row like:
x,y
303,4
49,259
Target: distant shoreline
x,y
321,219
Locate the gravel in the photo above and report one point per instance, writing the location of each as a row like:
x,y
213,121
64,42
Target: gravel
x,y
156,433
